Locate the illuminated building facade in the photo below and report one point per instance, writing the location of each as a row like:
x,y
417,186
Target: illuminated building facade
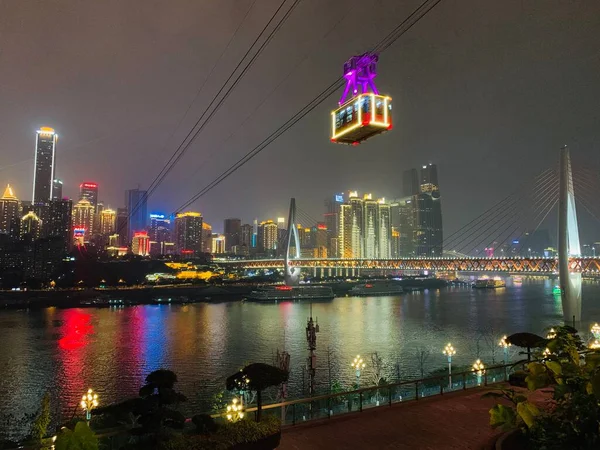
x,y
429,232
89,191
206,238
332,218
188,233
10,213
108,218
217,244
136,203
31,226
57,188
83,218
267,236
43,175
140,244
160,232
246,233
60,221
232,231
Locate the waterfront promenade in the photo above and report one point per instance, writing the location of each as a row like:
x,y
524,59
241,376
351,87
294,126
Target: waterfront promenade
x,y
455,421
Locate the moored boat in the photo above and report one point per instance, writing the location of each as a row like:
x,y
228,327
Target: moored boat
x,y
377,288
286,293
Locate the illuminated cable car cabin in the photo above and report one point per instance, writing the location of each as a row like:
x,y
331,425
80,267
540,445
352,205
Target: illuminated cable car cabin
x,y
365,114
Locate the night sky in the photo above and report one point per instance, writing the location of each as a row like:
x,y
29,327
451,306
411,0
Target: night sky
x,y
487,90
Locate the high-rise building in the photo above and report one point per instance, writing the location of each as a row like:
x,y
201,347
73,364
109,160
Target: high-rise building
x,y
83,219
429,231
232,230
384,230
403,221
160,232
31,226
57,188
246,232
217,244
45,155
140,244
60,221
410,183
89,191
356,242
332,211
344,239
206,238
136,202
108,218
188,233
370,227
267,236
10,213
122,227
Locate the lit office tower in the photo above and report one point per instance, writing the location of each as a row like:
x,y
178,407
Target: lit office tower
x,y
429,234
188,233
57,188
344,239
136,203
122,227
31,226
218,244
384,230
10,213
267,236
403,220
140,244
255,234
160,232
332,211
89,191
83,218
370,227
108,219
206,238
43,175
356,242
232,228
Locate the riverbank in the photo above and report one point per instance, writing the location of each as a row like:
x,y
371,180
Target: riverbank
x,y
173,294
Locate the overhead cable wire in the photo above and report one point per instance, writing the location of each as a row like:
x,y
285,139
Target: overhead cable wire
x,y
405,26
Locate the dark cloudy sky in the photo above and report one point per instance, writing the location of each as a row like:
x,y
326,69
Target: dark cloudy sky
x,y
487,90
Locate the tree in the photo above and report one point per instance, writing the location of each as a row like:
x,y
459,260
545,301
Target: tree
x,y
80,438
422,355
159,393
39,427
257,377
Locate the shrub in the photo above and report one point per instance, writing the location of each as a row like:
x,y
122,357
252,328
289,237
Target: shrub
x,y
204,423
248,431
518,378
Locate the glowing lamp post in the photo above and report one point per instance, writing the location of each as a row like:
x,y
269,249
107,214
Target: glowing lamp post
x,y
88,402
551,334
478,370
595,345
505,344
449,352
546,353
596,331
357,365
235,411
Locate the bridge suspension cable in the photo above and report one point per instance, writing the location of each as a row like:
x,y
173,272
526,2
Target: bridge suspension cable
x,y
420,12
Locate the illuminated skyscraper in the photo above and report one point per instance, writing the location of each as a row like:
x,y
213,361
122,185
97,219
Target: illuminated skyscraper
x,y
136,202
267,236
188,233
332,211
140,244
246,232
83,218
108,218
31,226
122,226
60,221
356,242
344,239
160,232
10,213
89,191
218,244
384,230
370,227
206,238
429,232
45,154
57,189
232,231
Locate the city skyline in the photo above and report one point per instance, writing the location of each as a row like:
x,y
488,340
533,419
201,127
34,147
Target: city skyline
x,y
456,118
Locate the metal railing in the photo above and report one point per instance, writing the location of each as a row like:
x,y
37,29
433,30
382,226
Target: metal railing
x,y
327,406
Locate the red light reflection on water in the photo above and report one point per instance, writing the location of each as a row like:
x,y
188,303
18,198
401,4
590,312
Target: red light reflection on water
x,y
77,328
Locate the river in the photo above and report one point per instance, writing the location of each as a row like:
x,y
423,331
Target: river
x,y
65,351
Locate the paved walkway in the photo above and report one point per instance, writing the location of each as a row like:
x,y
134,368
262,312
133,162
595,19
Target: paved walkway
x,y
454,421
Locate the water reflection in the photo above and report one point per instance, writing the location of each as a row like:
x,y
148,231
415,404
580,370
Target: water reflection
x,y
112,349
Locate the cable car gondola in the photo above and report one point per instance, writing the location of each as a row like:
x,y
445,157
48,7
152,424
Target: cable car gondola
x,y
366,113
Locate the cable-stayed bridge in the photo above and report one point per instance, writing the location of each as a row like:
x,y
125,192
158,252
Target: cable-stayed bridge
x,y
509,218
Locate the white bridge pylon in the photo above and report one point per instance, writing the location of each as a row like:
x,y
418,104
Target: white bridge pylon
x,y
292,274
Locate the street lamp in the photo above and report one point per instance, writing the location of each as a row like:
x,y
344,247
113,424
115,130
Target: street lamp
x,y
546,353
478,370
551,334
449,352
595,345
357,365
596,331
88,402
235,411
505,344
